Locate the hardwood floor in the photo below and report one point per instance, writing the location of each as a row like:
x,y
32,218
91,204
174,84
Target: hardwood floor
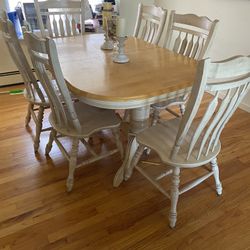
x,y
36,212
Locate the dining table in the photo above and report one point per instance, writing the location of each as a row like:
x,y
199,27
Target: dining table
x,y
153,74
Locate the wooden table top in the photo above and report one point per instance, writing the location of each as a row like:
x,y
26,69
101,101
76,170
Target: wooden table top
x,y
152,71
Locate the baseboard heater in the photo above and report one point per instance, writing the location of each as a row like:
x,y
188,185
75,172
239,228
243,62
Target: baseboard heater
x,y
10,78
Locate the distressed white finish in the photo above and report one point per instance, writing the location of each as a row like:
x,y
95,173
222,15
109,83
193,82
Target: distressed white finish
x,y
191,36
33,91
76,120
150,23
61,17
194,141
117,87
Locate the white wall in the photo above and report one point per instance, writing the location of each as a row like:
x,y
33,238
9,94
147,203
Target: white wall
x,y
128,10
232,37
2,6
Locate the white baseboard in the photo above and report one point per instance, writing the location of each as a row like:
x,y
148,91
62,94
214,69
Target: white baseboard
x,y
245,107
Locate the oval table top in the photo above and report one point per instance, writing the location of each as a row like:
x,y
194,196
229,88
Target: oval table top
x,y
151,72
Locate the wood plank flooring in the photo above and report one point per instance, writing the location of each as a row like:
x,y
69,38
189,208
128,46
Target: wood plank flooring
x,y
37,213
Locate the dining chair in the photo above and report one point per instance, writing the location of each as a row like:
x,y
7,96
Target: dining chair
x,y
150,23
194,140
62,18
33,92
76,120
191,36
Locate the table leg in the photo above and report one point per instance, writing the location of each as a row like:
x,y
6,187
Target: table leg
x,y
139,118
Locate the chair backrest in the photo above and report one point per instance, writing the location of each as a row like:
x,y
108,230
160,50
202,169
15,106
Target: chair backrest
x,y
150,23
19,58
62,18
228,80
45,61
190,35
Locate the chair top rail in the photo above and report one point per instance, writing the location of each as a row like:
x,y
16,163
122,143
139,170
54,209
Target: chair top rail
x,y
151,20
52,4
152,10
59,12
202,22
225,68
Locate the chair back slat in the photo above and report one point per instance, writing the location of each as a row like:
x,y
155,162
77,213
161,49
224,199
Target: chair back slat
x,y
215,121
177,43
190,35
17,54
68,26
190,47
59,97
48,24
61,17
73,26
61,26
150,23
56,32
205,119
183,45
228,81
234,103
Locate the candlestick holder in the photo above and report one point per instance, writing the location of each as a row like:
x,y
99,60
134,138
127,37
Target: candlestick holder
x,y
120,57
108,43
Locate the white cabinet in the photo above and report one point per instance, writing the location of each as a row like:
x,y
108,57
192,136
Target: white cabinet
x,y
128,10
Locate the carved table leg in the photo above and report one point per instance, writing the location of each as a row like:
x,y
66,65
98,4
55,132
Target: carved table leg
x,y
138,122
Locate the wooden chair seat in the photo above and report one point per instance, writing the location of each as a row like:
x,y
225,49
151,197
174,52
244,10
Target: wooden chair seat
x,y
161,138
92,119
35,98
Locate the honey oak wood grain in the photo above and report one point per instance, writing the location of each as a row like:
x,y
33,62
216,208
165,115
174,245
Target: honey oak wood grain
x,y
151,72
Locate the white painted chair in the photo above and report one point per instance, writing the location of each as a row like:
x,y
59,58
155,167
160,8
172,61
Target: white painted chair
x,y
34,92
193,140
76,120
191,36
150,23
62,18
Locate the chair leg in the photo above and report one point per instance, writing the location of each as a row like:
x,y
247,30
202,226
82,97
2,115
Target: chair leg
x,y
50,142
28,116
174,195
126,116
134,161
182,109
118,142
156,115
215,169
38,128
72,164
